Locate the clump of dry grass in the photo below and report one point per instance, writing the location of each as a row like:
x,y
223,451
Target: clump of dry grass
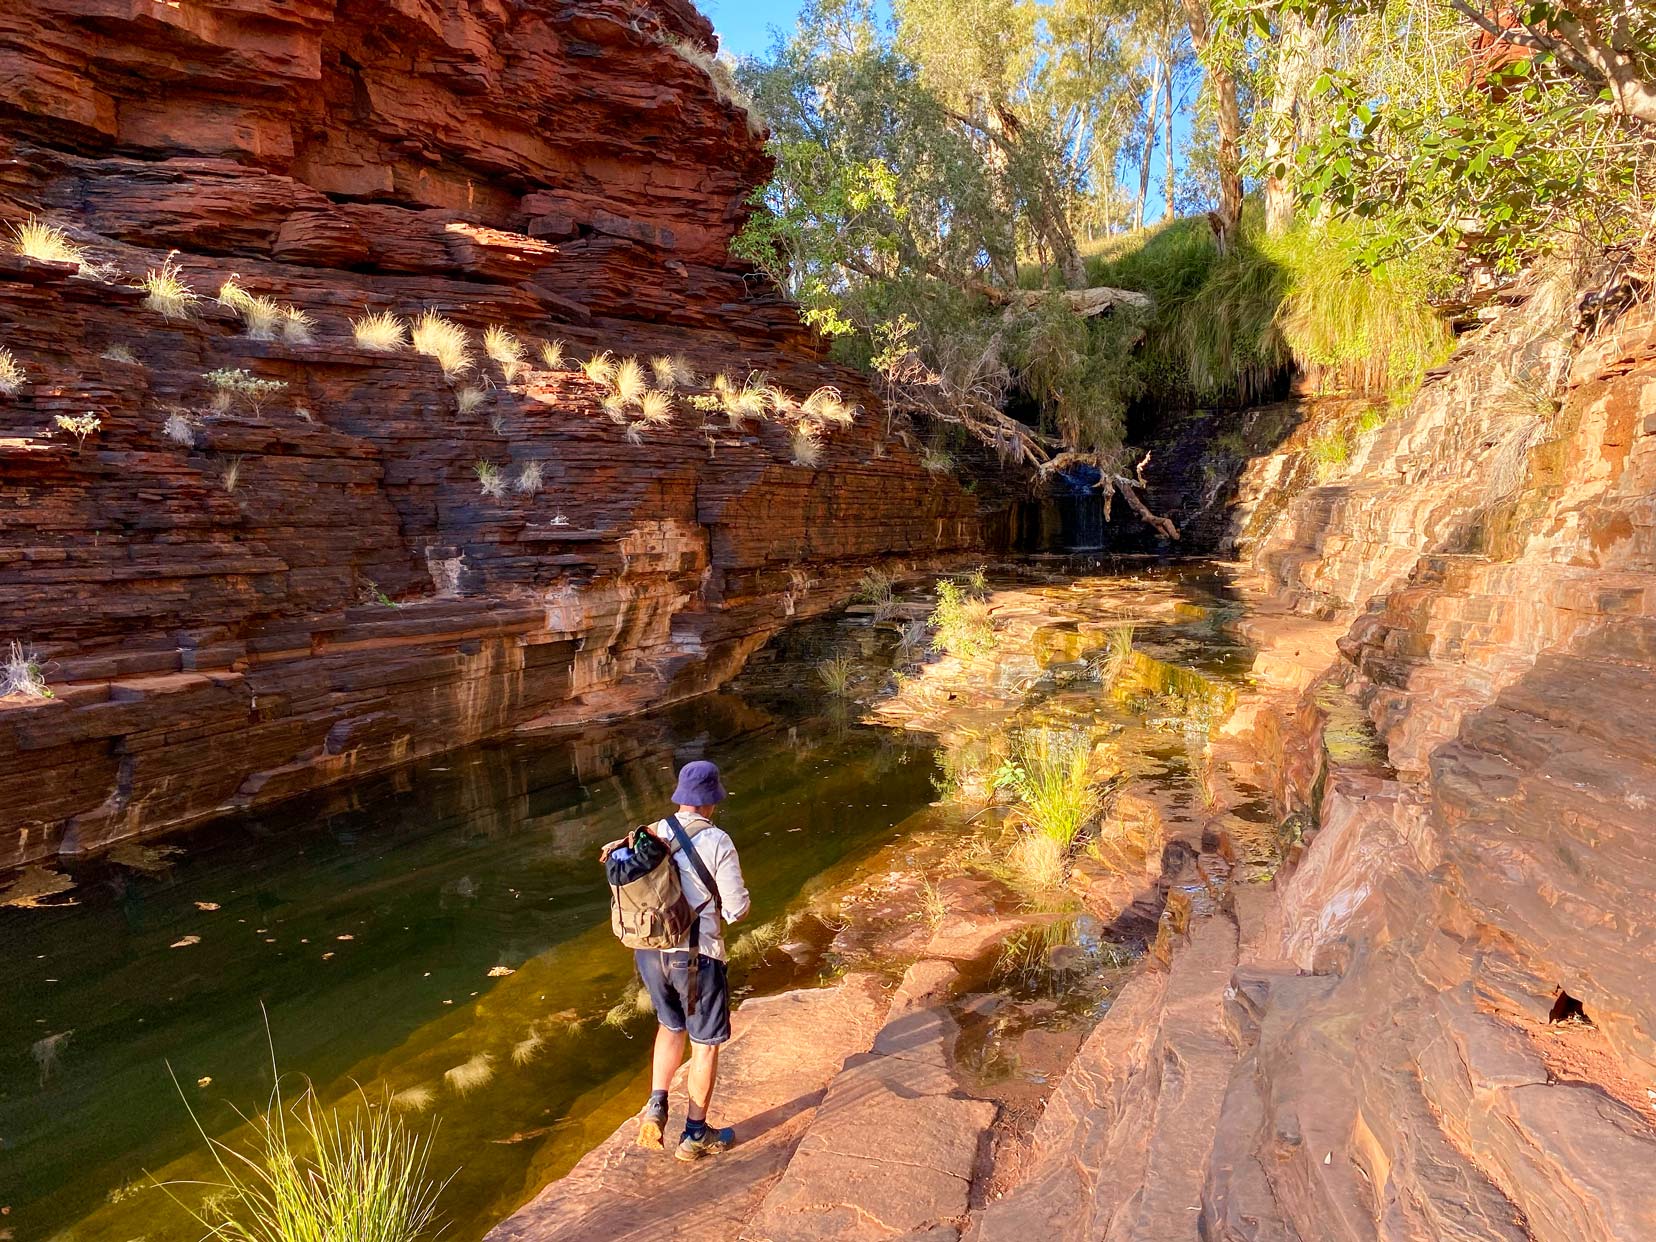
x,y
414,1099
260,316
490,480
615,408
444,340
599,368
506,350
382,332
230,473
628,381
828,406
12,374
655,407
469,398
806,447
721,75
120,353
529,478
552,354
527,1048
179,427
296,326
935,459
36,239
165,292
635,433
22,674
671,371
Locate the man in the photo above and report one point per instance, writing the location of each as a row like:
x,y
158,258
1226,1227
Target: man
x,y
699,1006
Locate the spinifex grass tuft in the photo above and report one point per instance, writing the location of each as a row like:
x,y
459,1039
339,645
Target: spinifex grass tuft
x,y
506,350
382,332
315,1174
445,341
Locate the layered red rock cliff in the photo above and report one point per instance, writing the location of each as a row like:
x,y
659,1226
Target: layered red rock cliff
x,y
562,169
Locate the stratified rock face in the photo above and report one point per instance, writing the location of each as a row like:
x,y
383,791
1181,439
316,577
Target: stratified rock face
x,y
313,584
1461,1038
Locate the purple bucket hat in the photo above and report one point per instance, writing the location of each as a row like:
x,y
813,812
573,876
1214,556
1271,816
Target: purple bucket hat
x,y
699,785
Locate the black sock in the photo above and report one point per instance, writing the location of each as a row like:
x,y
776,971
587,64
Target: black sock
x,y
695,1129
659,1097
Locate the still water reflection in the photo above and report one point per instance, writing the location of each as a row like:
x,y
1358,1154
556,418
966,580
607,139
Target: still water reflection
x,y
441,934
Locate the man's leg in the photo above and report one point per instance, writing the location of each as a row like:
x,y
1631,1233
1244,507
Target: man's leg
x,y
666,1059
704,1073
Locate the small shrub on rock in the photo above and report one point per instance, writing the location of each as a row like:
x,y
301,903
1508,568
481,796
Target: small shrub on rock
x,y
962,625
79,425
165,292
628,381
445,341
22,674
552,354
382,332
490,480
12,374
506,350
36,239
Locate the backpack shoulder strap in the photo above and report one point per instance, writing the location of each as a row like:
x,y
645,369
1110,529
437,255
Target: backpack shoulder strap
x,y
695,860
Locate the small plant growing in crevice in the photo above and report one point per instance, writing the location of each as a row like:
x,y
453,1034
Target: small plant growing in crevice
x,y
805,447
120,353
934,459
635,433
469,399
381,332
552,354
444,340
828,406
655,407
490,480
961,624
12,374
79,425
23,674
165,292
296,326
261,317
628,381
230,473
36,239
179,427
1329,451
1371,420
1050,774
671,371
232,384
506,350
599,368
372,594
529,478
874,587
835,675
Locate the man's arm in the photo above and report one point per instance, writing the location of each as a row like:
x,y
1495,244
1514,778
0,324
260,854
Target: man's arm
x,y
727,873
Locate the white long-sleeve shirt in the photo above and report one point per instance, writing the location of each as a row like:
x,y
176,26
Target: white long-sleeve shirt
x,y
715,848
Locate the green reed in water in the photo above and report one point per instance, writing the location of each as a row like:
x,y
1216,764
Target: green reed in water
x,y
1050,772
315,1174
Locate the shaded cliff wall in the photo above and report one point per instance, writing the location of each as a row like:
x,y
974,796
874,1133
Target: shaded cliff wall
x,y
354,600
1460,1040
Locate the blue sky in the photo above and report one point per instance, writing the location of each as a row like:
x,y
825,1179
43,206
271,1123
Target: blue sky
x,y
743,25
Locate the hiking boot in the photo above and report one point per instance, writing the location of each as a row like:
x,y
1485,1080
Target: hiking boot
x,y
652,1122
711,1143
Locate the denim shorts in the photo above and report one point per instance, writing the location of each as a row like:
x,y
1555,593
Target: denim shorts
x,y
666,976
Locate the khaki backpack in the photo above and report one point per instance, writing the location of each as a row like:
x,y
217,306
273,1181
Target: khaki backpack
x,y
651,911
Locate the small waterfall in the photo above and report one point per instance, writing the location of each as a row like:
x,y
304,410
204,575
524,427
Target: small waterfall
x,y
1080,508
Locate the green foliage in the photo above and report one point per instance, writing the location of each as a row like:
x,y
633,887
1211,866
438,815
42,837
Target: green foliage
x,y
312,1174
1050,773
1329,451
962,625
835,674
1227,326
